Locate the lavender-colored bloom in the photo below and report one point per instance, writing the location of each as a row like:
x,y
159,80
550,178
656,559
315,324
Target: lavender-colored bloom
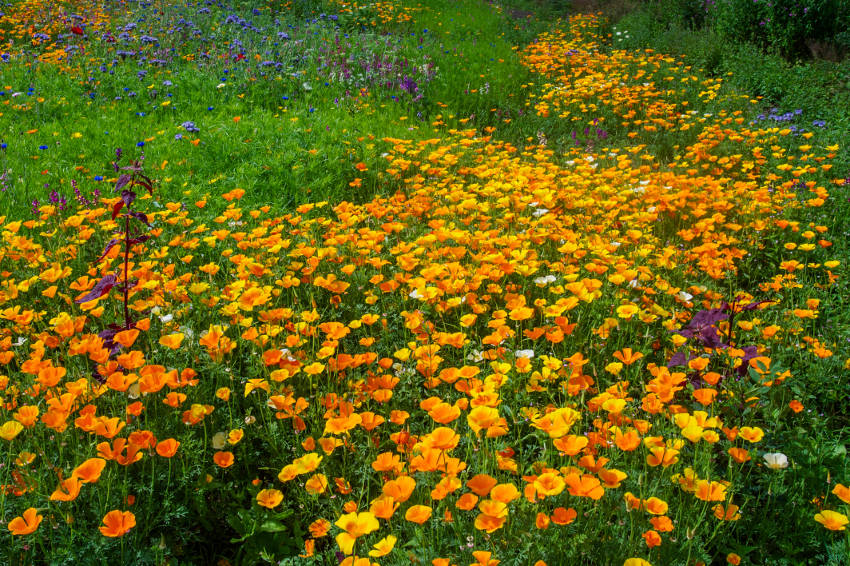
x,y
190,127
408,85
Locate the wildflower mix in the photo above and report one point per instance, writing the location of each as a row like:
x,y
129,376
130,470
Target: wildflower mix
x,y
515,349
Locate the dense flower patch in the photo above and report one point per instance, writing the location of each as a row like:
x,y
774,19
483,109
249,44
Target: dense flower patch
x,y
517,357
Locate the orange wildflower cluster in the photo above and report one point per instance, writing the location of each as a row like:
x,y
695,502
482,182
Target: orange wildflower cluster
x,y
474,343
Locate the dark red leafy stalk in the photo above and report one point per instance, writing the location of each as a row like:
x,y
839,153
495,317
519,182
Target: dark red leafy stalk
x,y
126,268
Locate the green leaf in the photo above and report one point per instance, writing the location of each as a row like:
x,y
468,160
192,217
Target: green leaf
x,y
272,527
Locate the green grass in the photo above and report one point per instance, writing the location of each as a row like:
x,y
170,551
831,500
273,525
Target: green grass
x,y
283,151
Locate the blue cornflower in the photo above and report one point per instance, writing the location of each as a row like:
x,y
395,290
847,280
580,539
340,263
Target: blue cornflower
x,y
42,147
140,144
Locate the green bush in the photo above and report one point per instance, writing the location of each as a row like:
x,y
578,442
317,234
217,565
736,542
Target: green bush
x,y
792,28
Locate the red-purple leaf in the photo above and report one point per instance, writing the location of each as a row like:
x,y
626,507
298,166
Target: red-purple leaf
x,y
103,286
128,197
111,244
146,183
141,217
138,240
122,181
116,208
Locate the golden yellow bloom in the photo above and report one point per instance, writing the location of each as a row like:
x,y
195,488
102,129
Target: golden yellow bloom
x,y
832,520
269,498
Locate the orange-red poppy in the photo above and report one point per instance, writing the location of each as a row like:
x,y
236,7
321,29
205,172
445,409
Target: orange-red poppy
x,y
90,470
223,459
167,448
117,523
418,514
27,523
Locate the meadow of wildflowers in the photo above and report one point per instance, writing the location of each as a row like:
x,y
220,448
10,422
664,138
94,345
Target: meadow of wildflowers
x,y
376,283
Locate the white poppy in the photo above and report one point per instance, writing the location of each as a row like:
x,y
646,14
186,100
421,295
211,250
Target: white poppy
x,y
776,460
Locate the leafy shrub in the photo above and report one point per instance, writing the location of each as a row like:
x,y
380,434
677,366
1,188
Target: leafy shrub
x,y
788,27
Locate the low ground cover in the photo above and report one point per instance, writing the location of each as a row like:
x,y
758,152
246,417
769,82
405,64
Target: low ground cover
x,y
556,302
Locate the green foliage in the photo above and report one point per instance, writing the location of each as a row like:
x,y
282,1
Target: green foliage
x,y
788,27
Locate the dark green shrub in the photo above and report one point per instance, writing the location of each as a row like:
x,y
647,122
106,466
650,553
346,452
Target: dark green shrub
x,y
792,28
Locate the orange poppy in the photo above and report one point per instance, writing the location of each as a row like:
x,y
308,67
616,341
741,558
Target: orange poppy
x,y
444,413
655,506
27,523
585,486
504,492
481,484
319,528
172,341
316,484
652,538
831,520
627,441
384,507
751,434
570,444
68,490
842,492
489,523
627,356
117,523
418,514
466,501
26,415
549,484
126,337
710,490
223,459
740,455
562,516
728,513
167,448
90,470
387,461
269,498
662,524
400,489
442,438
